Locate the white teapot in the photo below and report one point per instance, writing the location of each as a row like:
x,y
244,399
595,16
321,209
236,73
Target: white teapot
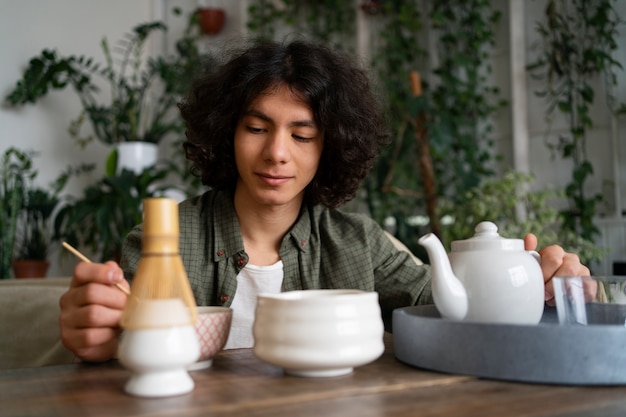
x,y
486,279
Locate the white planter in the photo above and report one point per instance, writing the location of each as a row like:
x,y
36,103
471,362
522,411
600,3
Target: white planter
x,y
136,156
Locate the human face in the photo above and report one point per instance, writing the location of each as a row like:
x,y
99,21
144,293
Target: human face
x,y
278,148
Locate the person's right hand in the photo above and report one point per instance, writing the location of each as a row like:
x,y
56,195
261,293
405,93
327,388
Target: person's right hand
x,y
91,310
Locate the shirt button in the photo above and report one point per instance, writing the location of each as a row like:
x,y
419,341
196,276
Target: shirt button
x,y
223,298
220,252
303,243
241,262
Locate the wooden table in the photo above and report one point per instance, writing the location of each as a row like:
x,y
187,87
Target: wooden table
x,y
239,384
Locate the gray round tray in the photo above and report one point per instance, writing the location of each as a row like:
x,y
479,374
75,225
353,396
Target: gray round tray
x,y
546,353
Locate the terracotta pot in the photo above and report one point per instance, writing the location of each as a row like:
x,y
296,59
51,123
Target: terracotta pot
x,y
30,268
211,20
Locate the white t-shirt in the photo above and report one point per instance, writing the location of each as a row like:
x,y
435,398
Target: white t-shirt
x,y
251,281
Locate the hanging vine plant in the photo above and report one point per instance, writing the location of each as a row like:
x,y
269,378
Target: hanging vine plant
x,y
464,101
451,117
393,189
328,21
578,38
263,16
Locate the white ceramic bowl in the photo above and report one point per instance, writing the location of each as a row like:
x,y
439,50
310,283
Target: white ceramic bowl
x,y
318,333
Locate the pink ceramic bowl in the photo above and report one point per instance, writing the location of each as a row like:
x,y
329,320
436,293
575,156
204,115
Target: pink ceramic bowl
x,y
212,328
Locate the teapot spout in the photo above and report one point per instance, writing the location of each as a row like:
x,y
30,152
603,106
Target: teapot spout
x,y
448,291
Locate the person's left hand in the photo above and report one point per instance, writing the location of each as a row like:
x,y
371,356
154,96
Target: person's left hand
x,y
556,262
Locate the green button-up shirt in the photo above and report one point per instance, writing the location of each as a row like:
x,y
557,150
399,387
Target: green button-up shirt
x,y
324,249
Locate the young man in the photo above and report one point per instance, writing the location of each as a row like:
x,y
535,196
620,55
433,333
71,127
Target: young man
x,y
283,134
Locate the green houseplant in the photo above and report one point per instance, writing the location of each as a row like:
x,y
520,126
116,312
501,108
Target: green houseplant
x,y
144,91
100,219
17,170
499,200
34,233
134,112
578,39
27,210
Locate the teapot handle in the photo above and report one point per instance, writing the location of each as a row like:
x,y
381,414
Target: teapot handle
x,y
535,255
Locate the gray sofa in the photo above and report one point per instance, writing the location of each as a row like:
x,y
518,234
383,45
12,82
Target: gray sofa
x,y
29,323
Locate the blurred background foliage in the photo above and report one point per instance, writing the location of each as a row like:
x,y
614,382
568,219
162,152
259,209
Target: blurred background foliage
x,y
445,122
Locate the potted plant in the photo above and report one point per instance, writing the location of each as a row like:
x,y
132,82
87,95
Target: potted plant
x,y
141,110
101,218
211,19
27,211
34,234
127,117
17,170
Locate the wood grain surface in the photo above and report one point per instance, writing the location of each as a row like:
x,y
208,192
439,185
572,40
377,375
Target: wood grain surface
x,y
239,384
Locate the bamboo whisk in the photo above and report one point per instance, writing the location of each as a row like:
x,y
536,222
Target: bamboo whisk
x,y
162,296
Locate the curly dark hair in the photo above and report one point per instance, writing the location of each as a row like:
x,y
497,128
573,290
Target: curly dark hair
x,y
336,89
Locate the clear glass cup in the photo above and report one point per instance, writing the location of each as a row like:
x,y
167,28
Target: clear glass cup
x,y
590,300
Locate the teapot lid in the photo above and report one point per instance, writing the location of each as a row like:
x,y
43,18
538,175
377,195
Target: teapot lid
x,y
487,238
